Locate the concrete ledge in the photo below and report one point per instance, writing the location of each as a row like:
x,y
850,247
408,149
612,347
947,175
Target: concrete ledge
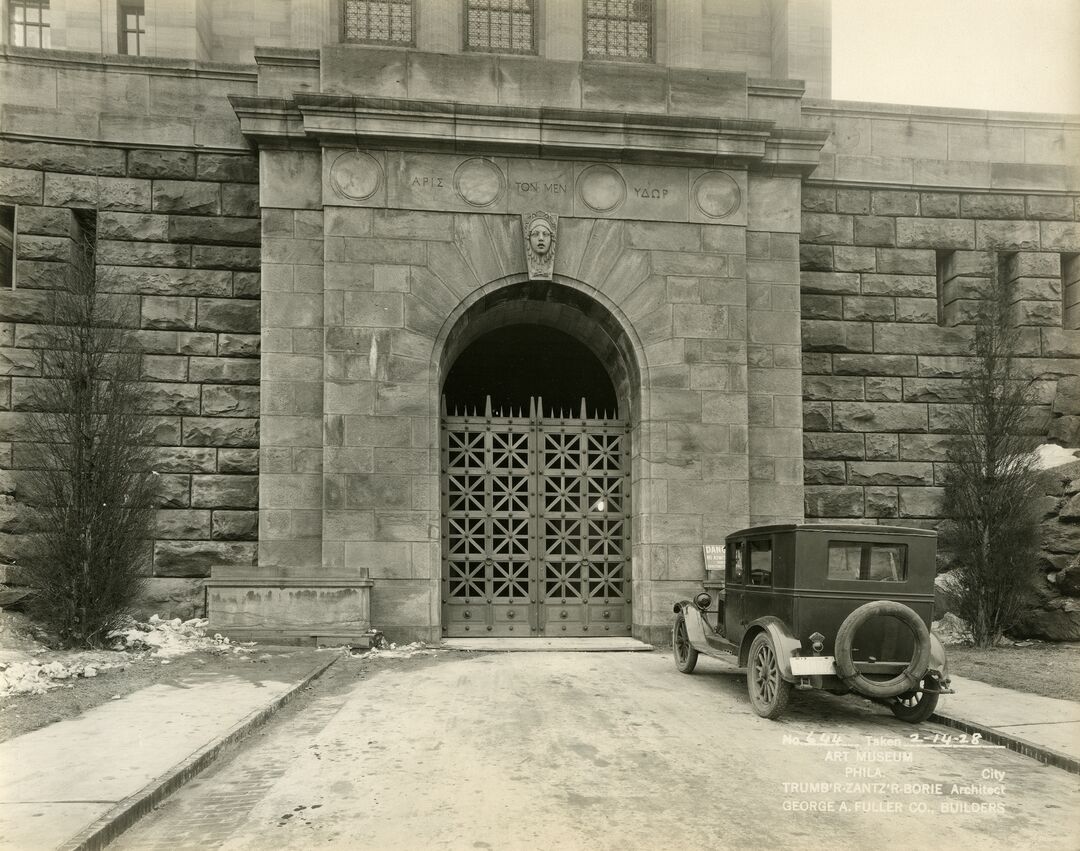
x,y
1043,754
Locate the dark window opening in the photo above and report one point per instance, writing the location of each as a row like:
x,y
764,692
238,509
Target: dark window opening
x,y
29,23
1070,291
7,246
500,26
518,363
132,28
379,21
735,562
619,29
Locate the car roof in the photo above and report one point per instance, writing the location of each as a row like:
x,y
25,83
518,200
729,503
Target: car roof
x,y
860,528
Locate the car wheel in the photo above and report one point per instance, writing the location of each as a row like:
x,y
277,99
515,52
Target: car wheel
x,y
916,706
685,654
769,691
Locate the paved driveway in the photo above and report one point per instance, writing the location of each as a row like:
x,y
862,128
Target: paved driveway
x,y
605,751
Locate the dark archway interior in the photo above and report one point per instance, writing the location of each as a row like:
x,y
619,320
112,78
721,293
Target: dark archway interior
x,y
517,362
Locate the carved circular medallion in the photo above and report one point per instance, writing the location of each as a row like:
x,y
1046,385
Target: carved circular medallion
x,y
716,194
601,188
478,182
355,175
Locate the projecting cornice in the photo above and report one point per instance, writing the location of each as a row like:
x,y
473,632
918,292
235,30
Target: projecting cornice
x,y
545,132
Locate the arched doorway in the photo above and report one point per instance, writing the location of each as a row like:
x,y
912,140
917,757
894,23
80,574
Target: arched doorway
x,y
535,439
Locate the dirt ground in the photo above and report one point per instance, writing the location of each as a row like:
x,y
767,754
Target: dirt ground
x,y
1048,669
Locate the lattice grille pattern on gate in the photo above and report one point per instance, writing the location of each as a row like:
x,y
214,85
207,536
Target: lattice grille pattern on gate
x,y
379,21
619,29
500,26
535,525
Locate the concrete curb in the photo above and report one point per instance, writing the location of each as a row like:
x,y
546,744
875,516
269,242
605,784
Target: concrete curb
x,y
122,816
994,736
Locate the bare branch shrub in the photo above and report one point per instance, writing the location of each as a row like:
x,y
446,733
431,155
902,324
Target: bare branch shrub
x,y
89,486
992,484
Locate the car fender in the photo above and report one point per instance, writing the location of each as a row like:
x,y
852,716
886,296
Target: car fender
x,y
695,625
938,661
785,643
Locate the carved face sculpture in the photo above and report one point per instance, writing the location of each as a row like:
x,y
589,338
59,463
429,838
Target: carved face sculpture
x,y
540,238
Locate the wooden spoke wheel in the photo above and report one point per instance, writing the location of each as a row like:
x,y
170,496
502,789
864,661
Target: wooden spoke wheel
x,y
685,655
916,706
769,691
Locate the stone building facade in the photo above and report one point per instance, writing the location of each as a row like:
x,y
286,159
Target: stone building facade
x,y
314,231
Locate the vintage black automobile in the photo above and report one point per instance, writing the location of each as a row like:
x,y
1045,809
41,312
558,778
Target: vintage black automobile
x,y
844,608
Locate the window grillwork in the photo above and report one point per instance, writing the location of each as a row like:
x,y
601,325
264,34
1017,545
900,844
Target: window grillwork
x,y
132,28
379,21
500,26
29,20
619,29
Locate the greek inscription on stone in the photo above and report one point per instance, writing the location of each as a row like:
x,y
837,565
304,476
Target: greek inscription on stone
x,y
526,186
650,193
427,182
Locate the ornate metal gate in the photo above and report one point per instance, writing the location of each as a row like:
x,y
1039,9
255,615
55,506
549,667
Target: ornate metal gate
x,y
535,525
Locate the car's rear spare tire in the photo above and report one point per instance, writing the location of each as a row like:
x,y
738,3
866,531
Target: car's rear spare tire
x,y
907,680
916,706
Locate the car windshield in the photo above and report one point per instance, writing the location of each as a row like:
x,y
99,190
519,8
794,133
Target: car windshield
x,y
851,560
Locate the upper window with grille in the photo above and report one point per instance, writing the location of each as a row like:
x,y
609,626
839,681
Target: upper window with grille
x,y
619,29
29,22
379,21
500,26
132,28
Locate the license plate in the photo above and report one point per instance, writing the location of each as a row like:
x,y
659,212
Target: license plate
x,y
807,666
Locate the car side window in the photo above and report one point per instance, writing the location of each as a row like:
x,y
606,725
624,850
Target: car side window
x,y
867,562
761,562
735,562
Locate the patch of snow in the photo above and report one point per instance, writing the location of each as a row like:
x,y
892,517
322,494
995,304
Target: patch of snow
x,y
1052,455
392,651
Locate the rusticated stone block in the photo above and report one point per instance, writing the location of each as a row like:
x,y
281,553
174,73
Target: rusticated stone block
x,y
228,167
921,502
879,416
225,257
922,310
170,398
939,204
863,364
934,390
214,230
869,309
178,165
830,283
221,431
902,338
1017,236
853,201
199,558
239,345
935,233
827,228
822,307
163,281
237,461
890,473
829,336
230,400
816,258
881,502
225,491
817,416
875,230
119,253
168,312
910,286
21,186
840,447
924,447
832,388
883,389
183,524
1049,207
178,459
819,472
819,199
992,206
886,203
224,370
236,525
132,226
906,261
1065,430
238,199
881,447
246,285
854,258
833,501
174,491
237,315
81,159
186,196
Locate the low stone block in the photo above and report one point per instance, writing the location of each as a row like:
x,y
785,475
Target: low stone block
x,y
939,204
228,167
239,199
123,253
820,472
830,336
170,398
1014,235
237,258
163,281
827,228
923,310
875,230
924,447
869,309
935,233
883,388
214,230
934,390
21,186
888,203
911,286
921,502
881,447
866,364
822,307
841,447
179,165
224,370
854,258
832,388
881,502
906,261
816,258
829,283
238,461
182,459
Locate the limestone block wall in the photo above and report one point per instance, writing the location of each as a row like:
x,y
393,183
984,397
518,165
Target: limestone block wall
x,y
178,251
901,228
